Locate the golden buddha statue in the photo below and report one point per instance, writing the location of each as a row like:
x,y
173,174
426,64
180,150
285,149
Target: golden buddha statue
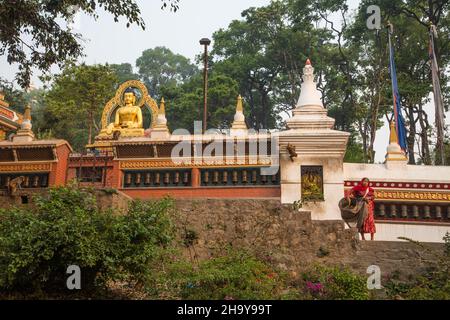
x,y
128,118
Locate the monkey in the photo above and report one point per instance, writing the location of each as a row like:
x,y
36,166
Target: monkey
x,y
292,154
15,184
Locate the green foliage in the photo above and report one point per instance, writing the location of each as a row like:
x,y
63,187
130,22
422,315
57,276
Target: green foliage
x,y
354,153
16,98
432,284
51,42
333,283
160,67
124,72
75,101
185,107
32,36
66,228
234,275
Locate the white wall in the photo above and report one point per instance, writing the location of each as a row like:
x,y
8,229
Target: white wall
x,y
390,231
400,172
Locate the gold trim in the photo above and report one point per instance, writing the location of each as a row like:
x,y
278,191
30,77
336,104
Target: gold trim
x,y
145,100
25,167
429,196
193,163
396,159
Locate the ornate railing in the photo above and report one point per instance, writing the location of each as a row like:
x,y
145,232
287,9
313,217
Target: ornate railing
x,y
157,178
412,211
237,177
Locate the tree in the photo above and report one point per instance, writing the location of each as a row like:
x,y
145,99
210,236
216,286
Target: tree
x,y
160,67
266,52
186,103
15,97
31,36
75,101
411,42
124,72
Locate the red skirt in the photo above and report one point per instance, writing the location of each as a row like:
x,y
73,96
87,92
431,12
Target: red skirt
x,y
369,223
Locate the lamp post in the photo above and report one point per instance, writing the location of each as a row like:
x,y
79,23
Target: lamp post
x,y
205,42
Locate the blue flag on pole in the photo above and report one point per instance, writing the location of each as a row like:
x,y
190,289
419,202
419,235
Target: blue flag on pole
x,y
399,121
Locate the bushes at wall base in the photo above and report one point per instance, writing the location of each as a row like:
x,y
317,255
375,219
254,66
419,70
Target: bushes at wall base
x,y
65,227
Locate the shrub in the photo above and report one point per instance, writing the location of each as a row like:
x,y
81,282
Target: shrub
x,y
65,227
433,283
333,283
235,275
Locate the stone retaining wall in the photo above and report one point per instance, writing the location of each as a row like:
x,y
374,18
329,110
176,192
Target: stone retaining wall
x,y
290,238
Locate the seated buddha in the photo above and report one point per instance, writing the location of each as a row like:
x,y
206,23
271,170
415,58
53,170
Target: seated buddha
x,y
128,119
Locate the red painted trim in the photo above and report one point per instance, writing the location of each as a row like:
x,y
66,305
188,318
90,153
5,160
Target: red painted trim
x,y
401,185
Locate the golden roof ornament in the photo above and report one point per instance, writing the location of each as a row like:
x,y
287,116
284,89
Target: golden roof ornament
x,y
162,107
239,106
393,138
394,151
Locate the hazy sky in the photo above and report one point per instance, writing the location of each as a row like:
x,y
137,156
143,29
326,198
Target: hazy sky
x,y
107,41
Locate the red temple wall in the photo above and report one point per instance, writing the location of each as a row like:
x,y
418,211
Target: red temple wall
x,y
205,192
58,171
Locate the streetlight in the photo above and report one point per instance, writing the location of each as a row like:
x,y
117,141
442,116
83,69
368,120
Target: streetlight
x,y
205,42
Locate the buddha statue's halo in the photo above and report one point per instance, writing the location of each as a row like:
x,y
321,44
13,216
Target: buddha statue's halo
x,y
132,86
117,101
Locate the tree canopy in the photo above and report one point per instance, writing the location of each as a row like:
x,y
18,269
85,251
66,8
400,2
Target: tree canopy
x,y
74,103
32,37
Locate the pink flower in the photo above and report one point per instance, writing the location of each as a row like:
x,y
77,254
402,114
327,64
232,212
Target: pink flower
x,y
314,287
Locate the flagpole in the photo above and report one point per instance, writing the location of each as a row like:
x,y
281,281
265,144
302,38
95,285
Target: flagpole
x,y
438,103
390,31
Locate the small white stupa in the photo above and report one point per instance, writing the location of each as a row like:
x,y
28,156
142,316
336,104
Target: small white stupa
x,y
239,127
161,131
309,112
25,134
395,154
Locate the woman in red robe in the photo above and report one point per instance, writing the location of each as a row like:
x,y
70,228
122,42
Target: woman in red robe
x,y
363,192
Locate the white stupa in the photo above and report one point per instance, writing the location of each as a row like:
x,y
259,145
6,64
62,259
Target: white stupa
x,y
309,112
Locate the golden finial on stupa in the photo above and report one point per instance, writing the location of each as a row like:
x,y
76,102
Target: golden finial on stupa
x,y
27,114
393,138
162,107
395,154
239,106
239,126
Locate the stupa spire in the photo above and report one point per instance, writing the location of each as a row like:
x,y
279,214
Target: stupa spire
x,y
309,113
239,126
394,153
161,131
309,95
25,134
162,107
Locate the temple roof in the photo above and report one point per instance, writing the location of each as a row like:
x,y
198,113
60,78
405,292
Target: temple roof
x,y
34,144
9,119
